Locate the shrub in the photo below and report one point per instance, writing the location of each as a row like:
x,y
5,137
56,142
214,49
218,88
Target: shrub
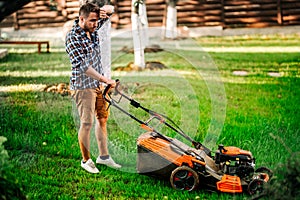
x,y
286,184
9,189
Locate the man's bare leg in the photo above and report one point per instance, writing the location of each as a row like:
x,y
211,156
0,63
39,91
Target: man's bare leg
x,y
84,144
101,136
84,140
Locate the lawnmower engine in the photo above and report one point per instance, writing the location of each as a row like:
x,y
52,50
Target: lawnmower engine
x,y
235,161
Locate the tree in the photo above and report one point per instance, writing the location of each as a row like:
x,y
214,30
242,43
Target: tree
x,y
171,20
139,23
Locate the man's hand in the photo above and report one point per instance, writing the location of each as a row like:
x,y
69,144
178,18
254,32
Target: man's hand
x,y
103,14
109,9
113,83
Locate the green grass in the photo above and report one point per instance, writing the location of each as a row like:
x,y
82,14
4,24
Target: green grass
x,y
262,115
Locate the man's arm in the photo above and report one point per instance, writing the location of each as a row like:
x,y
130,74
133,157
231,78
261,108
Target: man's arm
x,y
105,13
78,58
91,72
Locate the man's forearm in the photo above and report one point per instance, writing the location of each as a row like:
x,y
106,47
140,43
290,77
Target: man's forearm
x,y
91,72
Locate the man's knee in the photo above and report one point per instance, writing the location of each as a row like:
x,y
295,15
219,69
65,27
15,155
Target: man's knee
x,y
103,121
86,126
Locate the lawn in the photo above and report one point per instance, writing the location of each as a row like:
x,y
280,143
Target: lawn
x,y
256,109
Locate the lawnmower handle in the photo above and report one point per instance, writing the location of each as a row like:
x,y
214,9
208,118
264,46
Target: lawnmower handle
x,y
107,89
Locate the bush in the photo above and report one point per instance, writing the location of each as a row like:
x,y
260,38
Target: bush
x,y
286,184
3,155
9,189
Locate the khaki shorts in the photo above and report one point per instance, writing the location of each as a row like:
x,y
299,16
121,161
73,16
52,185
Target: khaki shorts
x,y
90,103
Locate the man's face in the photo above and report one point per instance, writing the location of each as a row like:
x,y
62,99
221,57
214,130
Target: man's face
x,y
90,23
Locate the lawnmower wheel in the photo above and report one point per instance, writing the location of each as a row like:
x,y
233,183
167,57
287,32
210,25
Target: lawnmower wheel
x,y
265,170
256,187
184,178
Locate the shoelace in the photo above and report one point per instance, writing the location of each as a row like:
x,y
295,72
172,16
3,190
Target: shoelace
x,y
91,164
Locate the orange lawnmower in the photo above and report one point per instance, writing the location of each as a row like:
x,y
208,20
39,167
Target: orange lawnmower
x,y
230,170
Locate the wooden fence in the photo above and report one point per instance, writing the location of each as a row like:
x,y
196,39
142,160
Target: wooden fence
x,y
190,13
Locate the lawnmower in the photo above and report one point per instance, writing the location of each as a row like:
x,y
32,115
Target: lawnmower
x,y
230,169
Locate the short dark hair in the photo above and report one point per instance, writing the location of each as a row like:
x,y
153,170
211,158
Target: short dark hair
x,y
99,3
87,8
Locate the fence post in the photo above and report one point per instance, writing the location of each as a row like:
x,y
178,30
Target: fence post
x,y
16,21
279,13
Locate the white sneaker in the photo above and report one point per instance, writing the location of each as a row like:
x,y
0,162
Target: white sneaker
x,y
89,166
109,162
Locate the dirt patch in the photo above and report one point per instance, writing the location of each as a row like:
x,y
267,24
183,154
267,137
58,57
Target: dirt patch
x,y
151,65
61,88
150,49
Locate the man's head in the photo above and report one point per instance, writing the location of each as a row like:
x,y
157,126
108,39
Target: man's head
x,y
88,17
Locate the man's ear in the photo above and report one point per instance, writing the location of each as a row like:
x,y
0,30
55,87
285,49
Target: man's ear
x,y
81,18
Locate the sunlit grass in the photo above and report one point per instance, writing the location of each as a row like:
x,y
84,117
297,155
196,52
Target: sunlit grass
x,y
280,40
22,88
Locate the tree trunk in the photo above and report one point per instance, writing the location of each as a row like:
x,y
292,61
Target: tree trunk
x,y
171,22
139,23
105,48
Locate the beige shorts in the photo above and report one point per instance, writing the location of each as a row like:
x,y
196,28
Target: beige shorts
x,y
90,103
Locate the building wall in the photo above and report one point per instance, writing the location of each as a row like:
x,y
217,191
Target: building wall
x,y
190,13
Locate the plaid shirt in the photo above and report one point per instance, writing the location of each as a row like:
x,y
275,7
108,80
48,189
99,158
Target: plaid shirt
x,y
83,52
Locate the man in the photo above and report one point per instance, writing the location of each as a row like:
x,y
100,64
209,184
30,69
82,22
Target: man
x,y
82,46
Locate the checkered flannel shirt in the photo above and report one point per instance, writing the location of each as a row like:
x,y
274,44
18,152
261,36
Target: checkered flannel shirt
x,y
83,52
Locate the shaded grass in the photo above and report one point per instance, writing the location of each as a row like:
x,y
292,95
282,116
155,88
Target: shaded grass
x,y
35,62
